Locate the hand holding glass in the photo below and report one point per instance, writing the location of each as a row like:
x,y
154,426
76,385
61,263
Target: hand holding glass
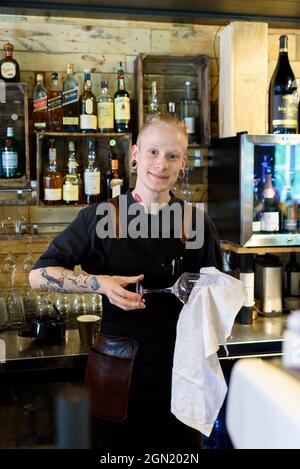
x,y
182,288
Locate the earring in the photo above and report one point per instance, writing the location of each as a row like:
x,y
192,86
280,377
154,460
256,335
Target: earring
x,y
133,163
181,176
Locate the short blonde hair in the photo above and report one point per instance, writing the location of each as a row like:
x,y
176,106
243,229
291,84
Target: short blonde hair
x,y
164,119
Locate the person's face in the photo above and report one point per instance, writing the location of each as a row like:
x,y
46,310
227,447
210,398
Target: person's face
x,y
160,155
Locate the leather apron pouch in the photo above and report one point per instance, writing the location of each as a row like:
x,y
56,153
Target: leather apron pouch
x,y
108,376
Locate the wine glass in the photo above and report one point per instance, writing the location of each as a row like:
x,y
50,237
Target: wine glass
x,y
182,288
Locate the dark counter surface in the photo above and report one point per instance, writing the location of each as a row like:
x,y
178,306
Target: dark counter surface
x,y
262,338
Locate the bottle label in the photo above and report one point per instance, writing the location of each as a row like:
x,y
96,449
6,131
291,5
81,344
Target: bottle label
x,y
40,125
92,183
70,96
270,221
89,106
52,194
70,192
256,226
8,70
190,124
285,111
70,120
54,103
9,159
122,108
105,115
40,104
116,187
88,121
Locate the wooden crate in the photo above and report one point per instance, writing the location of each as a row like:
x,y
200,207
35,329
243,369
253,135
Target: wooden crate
x,y
14,113
122,151
171,72
243,83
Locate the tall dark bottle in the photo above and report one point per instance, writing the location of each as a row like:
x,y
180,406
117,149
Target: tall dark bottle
x,y
122,104
283,95
9,67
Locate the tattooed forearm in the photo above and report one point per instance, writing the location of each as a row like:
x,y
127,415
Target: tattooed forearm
x,y
61,280
52,280
95,285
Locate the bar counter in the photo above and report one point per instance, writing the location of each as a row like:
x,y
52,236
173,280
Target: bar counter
x,y
262,338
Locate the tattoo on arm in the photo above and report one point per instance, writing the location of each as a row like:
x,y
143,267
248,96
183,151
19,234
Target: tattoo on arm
x,y
79,279
52,281
95,285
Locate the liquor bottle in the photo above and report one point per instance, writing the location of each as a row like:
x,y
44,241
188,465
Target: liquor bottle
x,y
153,105
88,106
105,109
11,166
283,95
72,183
122,104
70,101
9,67
189,112
52,180
270,213
289,212
292,276
40,112
92,176
55,111
113,182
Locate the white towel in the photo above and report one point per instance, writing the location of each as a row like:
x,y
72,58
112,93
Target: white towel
x,y
198,384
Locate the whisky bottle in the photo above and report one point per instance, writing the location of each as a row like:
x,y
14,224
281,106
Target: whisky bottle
x,y
72,183
113,182
52,180
11,166
54,105
122,104
70,101
189,112
283,95
88,106
105,110
92,176
40,111
9,67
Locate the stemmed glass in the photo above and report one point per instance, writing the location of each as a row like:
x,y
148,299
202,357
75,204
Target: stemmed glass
x,y
182,288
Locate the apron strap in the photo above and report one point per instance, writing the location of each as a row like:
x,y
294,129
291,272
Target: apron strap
x,y
115,202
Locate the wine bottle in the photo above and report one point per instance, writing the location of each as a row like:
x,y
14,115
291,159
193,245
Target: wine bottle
x,y
113,182
289,212
153,105
70,101
88,106
270,213
283,94
122,104
292,276
9,67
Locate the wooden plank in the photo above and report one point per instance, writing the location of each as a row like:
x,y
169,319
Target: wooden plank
x,y
257,250
185,41
243,78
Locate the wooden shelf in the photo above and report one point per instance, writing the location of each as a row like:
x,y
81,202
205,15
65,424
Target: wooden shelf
x,y
257,250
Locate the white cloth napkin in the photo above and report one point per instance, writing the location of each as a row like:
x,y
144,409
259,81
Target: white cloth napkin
x,y
198,384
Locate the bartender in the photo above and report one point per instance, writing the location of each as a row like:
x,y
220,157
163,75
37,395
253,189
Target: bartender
x,y
112,266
